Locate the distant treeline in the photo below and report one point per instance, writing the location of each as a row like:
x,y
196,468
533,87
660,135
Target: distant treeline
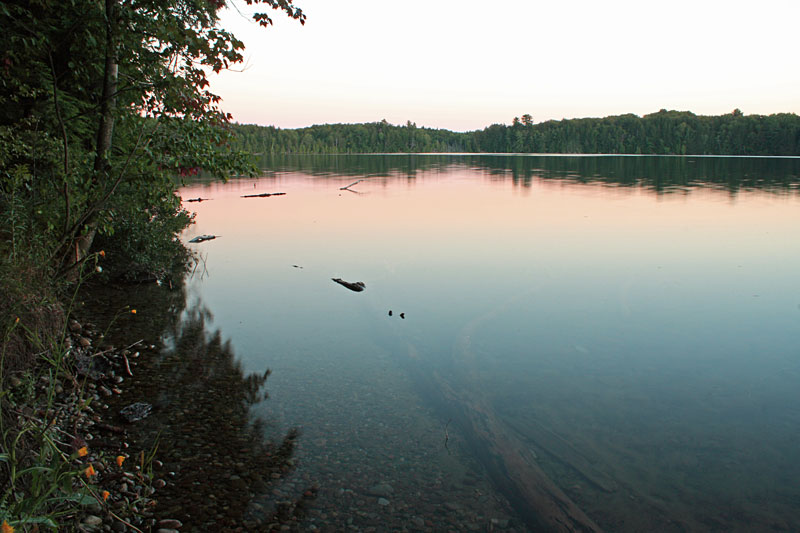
x,y
665,132
374,137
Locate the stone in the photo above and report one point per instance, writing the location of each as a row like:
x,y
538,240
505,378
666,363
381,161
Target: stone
x,y
84,342
383,501
381,490
136,411
500,522
92,521
170,523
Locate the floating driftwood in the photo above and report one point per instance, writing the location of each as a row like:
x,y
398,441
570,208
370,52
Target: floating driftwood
x,y
263,195
348,187
358,286
203,238
197,200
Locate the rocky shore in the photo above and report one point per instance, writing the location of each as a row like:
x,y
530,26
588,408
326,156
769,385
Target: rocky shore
x,y
121,480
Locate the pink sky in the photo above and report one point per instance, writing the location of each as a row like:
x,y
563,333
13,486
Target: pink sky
x,y
465,64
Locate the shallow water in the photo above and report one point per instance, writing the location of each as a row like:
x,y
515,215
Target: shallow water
x,y
622,330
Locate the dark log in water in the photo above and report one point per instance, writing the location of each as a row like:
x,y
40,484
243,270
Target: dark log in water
x,y
263,195
203,238
358,286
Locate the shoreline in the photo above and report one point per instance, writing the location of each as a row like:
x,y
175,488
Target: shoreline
x,y
120,481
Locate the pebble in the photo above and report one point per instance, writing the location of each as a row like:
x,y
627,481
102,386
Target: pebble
x,y
500,522
84,342
92,520
170,523
381,489
383,501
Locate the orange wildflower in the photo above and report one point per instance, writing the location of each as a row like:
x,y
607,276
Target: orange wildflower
x,y
15,322
83,452
102,253
106,494
89,471
133,311
6,527
120,460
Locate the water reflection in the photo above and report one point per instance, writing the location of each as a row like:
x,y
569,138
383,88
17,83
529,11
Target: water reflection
x,y
657,173
219,466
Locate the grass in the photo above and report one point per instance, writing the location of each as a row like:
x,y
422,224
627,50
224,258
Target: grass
x,y
45,476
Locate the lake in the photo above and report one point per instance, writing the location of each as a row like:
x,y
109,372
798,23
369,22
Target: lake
x,y
543,342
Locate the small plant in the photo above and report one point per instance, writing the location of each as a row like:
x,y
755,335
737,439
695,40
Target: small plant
x,y
44,483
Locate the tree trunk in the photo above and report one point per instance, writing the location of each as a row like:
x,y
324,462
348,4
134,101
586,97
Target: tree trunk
x,y
83,233
108,100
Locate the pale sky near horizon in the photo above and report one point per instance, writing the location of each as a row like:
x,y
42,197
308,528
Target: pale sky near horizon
x,y
465,64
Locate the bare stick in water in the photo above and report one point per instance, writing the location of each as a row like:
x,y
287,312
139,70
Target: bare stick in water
x,y
447,436
348,187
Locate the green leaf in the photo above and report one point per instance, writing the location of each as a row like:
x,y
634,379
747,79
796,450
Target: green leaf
x,y
49,522
79,498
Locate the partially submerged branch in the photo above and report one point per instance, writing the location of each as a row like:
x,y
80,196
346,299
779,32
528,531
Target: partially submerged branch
x,y
263,195
348,187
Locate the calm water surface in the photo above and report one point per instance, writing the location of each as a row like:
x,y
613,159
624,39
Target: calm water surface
x,y
605,342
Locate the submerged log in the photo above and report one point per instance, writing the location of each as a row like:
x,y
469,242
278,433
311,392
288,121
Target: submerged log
x,y
541,502
358,286
506,453
263,195
197,200
540,436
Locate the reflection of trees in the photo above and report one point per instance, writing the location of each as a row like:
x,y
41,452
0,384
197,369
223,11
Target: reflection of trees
x,y
655,173
660,174
202,422
207,434
403,165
